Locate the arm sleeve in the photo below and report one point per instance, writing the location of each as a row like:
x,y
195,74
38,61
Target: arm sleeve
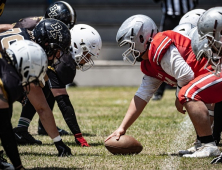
x,y
148,87
174,64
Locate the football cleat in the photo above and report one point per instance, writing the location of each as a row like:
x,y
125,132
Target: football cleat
x,y
206,150
23,137
4,164
191,150
41,131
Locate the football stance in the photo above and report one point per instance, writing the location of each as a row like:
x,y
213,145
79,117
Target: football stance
x,y
58,80
85,44
54,37
167,56
22,67
207,43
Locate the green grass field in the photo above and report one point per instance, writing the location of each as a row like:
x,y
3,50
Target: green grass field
x,y
160,129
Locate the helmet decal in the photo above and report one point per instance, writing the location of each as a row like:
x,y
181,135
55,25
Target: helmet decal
x,y
56,31
53,12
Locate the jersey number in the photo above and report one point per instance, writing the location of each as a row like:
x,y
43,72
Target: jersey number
x,y
7,41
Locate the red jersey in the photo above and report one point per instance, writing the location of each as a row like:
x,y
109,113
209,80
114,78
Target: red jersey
x,y
158,47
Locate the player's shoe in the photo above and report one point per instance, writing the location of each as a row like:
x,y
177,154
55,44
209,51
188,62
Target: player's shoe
x,y
191,150
41,131
206,150
157,97
4,164
23,137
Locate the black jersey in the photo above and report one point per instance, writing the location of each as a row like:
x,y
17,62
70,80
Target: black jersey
x,y
63,73
10,36
10,82
28,22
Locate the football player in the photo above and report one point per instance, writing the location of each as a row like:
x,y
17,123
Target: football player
x,y
167,56
85,43
207,43
22,67
2,6
54,37
62,11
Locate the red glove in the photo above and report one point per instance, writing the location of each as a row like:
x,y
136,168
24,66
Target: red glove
x,y
80,140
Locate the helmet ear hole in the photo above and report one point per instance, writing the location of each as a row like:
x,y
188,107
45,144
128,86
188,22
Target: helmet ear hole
x,y
141,39
75,45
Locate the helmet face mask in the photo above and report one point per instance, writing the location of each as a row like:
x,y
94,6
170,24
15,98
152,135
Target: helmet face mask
x,y
131,54
137,31
85,44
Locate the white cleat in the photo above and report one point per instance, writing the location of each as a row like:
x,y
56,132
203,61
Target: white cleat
x,y
206,150
191,150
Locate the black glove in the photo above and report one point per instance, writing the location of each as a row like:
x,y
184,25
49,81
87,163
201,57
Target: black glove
x,y
62,149
217,160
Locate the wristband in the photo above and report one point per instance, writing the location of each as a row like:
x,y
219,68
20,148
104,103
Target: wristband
x,y
211,112
56,139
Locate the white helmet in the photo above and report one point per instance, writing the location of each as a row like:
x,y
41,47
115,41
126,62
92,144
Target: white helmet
x,y
29,59
192,16
137,31
211,23
201,49
210,26
191,32
183,28
85,41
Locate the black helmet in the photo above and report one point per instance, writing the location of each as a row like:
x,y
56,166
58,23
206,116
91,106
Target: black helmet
x,y
52,35
62,11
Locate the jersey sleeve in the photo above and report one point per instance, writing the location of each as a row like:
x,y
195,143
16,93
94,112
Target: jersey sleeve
x,y
174,64
148,87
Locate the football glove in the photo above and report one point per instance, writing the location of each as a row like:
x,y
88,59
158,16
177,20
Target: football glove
x,y
80,140
62,149
217,160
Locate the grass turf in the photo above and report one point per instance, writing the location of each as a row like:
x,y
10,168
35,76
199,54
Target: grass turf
x,y
160,129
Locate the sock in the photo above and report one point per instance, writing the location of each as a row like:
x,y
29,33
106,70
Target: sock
x,y
23,122
207,139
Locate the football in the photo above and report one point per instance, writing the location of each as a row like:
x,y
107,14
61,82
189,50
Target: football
x,y
126,145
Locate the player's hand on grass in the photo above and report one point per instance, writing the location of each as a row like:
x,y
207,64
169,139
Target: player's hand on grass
x,y
217,160
80,140
120,131
179,106
62,149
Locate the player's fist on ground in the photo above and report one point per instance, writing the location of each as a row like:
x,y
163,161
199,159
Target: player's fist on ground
x,y
62,149
80,140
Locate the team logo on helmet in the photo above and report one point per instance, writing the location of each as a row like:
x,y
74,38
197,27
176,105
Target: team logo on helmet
x,y
53,9
56,31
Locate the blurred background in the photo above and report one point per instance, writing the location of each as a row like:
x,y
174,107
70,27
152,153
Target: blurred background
x,y
105,16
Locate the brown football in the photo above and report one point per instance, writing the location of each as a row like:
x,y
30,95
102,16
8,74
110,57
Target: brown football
x,y
124,146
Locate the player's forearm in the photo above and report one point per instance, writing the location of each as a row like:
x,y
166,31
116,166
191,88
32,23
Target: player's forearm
x,y
37,99
5,27
135,109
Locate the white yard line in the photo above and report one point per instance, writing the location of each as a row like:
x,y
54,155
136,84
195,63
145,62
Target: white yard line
x,y
180,142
